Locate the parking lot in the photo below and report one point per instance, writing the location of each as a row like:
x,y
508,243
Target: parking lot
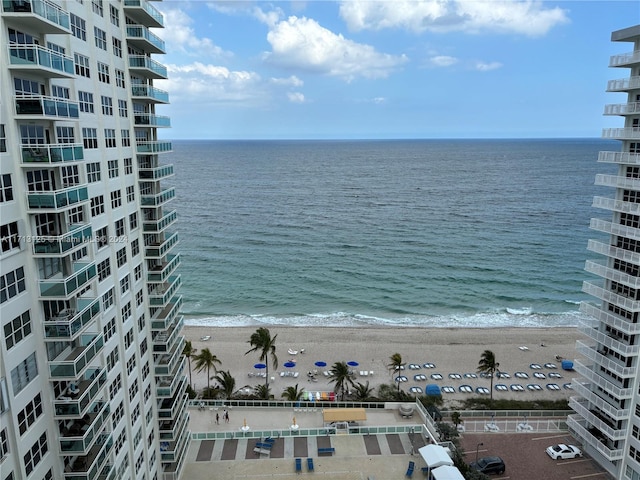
x,y
525,458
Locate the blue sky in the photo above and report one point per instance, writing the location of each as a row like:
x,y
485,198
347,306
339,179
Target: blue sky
x,y
391,69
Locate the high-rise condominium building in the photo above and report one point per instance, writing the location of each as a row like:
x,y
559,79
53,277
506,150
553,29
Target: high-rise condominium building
x,y
91,382
607,405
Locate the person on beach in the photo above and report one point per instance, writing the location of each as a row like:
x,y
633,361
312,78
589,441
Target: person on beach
x,y
217,418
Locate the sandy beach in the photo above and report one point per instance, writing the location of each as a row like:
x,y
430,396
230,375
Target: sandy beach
x,y
451,350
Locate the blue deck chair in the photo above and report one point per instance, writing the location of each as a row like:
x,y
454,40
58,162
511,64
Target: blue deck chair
x,y
310,464
298,465
410,469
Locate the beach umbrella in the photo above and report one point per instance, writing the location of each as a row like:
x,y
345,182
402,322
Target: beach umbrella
x,y
353,364
259,366
320,364
289,364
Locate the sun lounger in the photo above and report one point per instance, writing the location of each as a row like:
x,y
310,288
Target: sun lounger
x,y
292,352
326,451
410,469
310,464
298,465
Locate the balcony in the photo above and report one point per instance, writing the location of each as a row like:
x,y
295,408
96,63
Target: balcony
x,y
624,158
603,248
91,466
167,386
149,94
622,109
58,245
157,226
155,173
169,449
615,229
613,411
164,293
165,317
170,408
55,153
141,38
85,398
625,326
625,59
41,61
171,430
629,133
165,364
82,434
611,297
617,181
151,121
623,84
144,13
608,384
41,107
150,147
612,364
158,250
597,419
578,425
613,205
71,363
145,66
68,324
157,199
65,288
160,273
57,199
42,16
608,341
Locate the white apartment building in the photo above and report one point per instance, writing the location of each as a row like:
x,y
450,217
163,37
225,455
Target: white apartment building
x,y
607,405
91,365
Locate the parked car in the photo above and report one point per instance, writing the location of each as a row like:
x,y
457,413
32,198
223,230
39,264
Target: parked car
x,y
489,465
563,451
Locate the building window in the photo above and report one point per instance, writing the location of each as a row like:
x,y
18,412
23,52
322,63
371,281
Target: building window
x,y
101,38
133,221
128,166
78,27
124,282
12,284
110,137
109,330
107,105
116,199
104,269
6,189
9,237
59,92
65,134
117,46
96,5
120,78
4,444
82,65
137,272
76,216
93,172
103,72
24,373
113,168
17,329
97,205
28,415
126,138
3,139
115,15
89,137
38,450
70,176
107,301
139,298
131,194
85,99
101,237
120,228
122,108
126,311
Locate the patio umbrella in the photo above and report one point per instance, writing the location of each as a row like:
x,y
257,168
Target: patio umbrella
x,y
289,364
353,364
320,364
259,366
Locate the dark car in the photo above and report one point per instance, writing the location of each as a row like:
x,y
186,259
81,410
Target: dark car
x,y
489,465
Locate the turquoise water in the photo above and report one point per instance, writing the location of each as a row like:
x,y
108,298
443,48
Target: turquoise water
x,y
435,232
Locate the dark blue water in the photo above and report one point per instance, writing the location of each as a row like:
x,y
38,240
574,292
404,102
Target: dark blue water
x,y
425,232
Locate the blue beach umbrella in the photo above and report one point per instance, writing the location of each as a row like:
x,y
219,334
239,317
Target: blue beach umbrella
x,y
259,366
353,364
289,364
320,364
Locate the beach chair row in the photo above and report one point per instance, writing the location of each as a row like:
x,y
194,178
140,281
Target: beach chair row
x,y
298,463
264,448
290,374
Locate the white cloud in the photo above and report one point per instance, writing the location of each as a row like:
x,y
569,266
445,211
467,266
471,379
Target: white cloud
x,y
485,67
296,97
443,61
181,37
291,81
302,43
526,17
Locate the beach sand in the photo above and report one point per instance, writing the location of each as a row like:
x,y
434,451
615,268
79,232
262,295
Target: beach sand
x,y
452,350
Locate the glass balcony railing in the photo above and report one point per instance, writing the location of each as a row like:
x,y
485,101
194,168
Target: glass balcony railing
x,y
153,147
89,388
61,288
150,120
167,315
47,16
161,296
66,325
62,244
158,199
80,436
159,273
164,342
43,106
59,198
147,67
158,173
142,37
144,13
70,365
160,249
52,153
91,466
150,93
47,62
156,226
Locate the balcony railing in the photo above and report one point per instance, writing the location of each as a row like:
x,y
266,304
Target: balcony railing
x,y
66,287
159,273
150,147
619,323
619,157
144,13
141,37
577,424
157,199
622,108
623,84
41,15
156,226
632,133
86,398
38,106
147,67
92,465
162,296
51,153
588,373
163,320
152,94
62,244
81,435
56,199
69,323
160,249
158,173
43,61
624,59
150,120
71,365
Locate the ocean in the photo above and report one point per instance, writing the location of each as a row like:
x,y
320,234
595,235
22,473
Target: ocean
x,y
437,233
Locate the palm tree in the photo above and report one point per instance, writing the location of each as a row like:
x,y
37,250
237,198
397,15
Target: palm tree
x,y
488,365
226,382
189,352
292,393
262,391
362,392
207,360
395,365
342,377
262,342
